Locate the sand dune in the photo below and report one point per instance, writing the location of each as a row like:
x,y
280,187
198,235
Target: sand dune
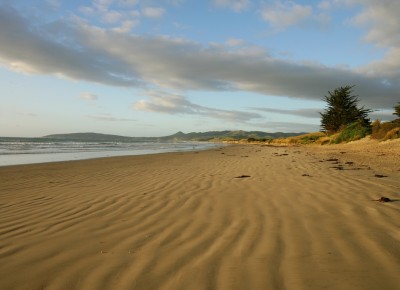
x,y
183,221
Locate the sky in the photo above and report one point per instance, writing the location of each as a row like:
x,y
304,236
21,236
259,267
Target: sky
x,y
153,68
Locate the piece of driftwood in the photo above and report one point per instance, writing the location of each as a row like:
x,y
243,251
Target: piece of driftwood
x,y
383,199
380,175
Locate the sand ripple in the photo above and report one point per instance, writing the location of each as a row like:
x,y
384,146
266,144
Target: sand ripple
x,y
183,221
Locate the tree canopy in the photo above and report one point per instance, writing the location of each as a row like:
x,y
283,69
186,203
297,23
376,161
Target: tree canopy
x,y
397,110
342,110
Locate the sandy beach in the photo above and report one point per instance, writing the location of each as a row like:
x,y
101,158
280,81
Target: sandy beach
x,y
239,217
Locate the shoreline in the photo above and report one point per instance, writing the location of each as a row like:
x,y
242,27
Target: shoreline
x,y
237,217
37,158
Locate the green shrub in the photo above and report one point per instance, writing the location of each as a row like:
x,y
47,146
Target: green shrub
x,y
309,139
352,132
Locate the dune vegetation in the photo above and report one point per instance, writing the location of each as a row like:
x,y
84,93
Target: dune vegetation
x,y
344,121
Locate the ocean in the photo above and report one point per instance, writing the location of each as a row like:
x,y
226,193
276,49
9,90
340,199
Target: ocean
x,y
15,151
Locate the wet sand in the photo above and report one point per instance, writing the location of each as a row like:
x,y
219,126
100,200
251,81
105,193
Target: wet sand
x,y
239,217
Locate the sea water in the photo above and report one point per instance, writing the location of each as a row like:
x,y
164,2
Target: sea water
x,y
36,150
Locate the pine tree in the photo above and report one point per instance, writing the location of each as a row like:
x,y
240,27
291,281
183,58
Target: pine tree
x,y
397,110
342,110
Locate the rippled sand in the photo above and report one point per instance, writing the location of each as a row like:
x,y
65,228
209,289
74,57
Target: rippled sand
x,y
184,221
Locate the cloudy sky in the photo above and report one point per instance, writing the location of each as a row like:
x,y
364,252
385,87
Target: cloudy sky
x,y
152,68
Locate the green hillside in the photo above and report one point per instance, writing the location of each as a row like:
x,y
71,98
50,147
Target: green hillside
x,y
179,136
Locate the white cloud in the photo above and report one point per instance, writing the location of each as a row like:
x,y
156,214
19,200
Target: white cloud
x,y
88,96
110,118
234,42
134,13
176,104
126,26
153,12
112,16
109,12
236,5
104,56
128,3
306,113
19,66
102,5
325,5
381,19
285,13
86,10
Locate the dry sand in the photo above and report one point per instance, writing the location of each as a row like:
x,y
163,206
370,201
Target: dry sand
x,y
183,221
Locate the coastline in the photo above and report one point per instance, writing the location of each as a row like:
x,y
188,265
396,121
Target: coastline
x,y
39,152
238,217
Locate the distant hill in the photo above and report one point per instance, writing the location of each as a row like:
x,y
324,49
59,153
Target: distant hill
x,y
228,135
179,136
